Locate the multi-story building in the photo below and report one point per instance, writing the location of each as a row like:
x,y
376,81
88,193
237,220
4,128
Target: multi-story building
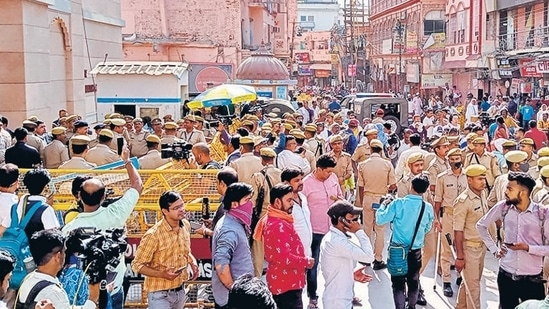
x,y
317,15
48,49
313,59
406,45
213,36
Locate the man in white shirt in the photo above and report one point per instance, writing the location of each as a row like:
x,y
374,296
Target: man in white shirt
x,y
302,110
92,194
429,123
402,165
301,212
472,110
48,250
289,159
417,105
9,183
338,255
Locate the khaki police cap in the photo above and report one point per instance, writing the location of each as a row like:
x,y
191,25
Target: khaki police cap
x,y
107,133
371,131
180,121
128,117
72,118
29,123
271,115
80,140
33,118
191,118
475,170
479,140
107,121
543,161
297,134
337,116
516,156
152,138
415,157
252,117
336,138
247,123
246,140
168,116
107,116
170,125
474,116
443,141
118,121
311,127
199,119
116,116
58,130
267,125
322,112
544,171
267,152
288,126
527,141
297,115
453,139
293,123
258,140
62,119
471,136
376,143
137,120
543,152
509,143
276,120
454,152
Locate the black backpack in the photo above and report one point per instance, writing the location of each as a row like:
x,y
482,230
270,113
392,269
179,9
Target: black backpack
x,y
31,302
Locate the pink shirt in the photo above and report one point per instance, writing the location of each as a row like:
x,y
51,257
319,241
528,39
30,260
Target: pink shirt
x,y
318,195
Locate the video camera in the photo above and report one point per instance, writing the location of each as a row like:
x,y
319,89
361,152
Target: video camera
x,y
486,120
177,151
226,120
387,199
97,251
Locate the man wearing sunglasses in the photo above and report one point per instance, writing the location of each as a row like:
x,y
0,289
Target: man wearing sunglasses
x,y
339,255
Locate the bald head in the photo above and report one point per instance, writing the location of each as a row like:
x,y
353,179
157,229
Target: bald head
x,y
201,148
92,193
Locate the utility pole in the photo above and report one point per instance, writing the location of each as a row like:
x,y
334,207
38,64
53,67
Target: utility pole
x,y
399,29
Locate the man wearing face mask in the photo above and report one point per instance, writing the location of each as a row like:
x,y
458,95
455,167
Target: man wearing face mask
x,y
480,156
521,255
450,184
516,162
231,255
527,145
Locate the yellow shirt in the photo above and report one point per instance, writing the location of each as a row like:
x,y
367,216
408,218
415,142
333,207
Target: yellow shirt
x,y
543,125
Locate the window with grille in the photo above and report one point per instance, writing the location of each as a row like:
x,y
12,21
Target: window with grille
x,y
433,26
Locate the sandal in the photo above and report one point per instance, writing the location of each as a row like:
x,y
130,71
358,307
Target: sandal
x,y
313,304
357,302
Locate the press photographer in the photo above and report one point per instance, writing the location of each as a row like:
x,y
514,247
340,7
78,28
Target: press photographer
x,y
92,194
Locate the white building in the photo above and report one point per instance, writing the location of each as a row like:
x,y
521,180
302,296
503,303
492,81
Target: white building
x,y
317,15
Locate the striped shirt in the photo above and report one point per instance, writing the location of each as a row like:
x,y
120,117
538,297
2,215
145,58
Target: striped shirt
x,y
161,248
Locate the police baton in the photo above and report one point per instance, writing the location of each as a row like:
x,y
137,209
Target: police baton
x,y
464,281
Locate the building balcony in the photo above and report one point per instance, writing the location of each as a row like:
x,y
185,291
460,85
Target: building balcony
x,y
307,25
528,39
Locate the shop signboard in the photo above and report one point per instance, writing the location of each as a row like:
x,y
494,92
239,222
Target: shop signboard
x,y
433,81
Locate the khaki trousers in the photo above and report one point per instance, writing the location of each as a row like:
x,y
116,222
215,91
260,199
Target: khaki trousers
x,y
472,273
446,252
370,225
258,257
429,248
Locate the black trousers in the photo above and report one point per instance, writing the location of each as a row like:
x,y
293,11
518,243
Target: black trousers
x,y
411,280
289,300
221,307
513,292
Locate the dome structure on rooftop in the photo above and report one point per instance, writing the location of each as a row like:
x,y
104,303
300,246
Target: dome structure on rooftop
x,y
262,65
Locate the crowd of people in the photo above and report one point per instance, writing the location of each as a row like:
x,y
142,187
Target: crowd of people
x,y
304,195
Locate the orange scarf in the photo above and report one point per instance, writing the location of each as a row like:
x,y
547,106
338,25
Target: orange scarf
x,y
274,213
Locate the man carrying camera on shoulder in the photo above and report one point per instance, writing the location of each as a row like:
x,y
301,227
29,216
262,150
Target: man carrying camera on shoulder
x,y
92,194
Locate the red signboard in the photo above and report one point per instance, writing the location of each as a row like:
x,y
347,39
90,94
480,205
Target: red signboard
x,y
528,68
351,70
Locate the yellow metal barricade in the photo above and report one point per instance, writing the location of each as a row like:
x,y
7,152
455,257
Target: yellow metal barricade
x,y
193,185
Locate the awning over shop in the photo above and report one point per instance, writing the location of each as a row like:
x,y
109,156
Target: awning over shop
x,y
321,66
143,67
456,64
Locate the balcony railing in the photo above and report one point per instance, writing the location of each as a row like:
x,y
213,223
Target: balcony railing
x,y
524,39
307,25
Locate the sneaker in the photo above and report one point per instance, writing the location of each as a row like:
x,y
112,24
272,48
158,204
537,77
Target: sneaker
x,y
458,281
379,265
421,299
448,292
357,302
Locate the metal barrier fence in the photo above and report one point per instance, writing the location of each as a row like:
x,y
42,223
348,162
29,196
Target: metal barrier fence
x,y
193,185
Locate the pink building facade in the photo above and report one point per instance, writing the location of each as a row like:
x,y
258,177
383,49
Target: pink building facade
x,y
47,49
214,38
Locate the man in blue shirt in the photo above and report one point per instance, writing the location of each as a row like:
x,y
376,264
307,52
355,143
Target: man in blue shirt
x,y
334,106
401,212
527,113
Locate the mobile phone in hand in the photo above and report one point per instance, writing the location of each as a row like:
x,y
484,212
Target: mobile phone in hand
x,y
375,206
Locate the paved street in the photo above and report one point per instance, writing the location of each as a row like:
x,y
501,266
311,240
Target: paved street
x,y
378,293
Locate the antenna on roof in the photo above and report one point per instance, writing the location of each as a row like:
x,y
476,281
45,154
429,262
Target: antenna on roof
x,y
105,59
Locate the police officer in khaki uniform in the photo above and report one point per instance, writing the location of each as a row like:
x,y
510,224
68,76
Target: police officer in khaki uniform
x,y
469,207
80,129
469,147
527,145
170,132
153,159
69,124
79,150
191,135
102,154
259,181
314,142
118,128
137,141
344,167
376,176
449,185
56,152
542,162
479,155
32,139
247,164
362,152
516,162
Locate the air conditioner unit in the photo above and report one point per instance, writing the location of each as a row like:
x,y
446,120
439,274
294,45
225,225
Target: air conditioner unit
x,y
403,15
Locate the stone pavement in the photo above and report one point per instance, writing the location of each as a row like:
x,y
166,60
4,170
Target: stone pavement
x,y
378,293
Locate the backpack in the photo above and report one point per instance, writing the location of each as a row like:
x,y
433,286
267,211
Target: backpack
x,y
15,241
30,303
542,214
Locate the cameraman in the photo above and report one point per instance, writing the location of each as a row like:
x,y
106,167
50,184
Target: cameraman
x,y
202,158
48,250
92,194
